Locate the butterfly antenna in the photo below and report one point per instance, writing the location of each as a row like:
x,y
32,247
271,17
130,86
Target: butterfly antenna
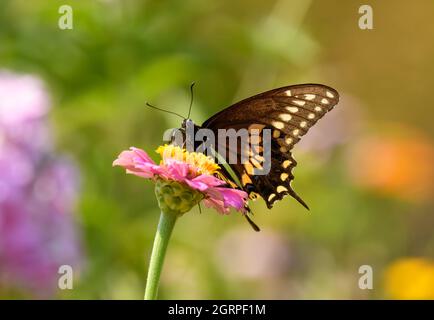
x,y
154,107
191,100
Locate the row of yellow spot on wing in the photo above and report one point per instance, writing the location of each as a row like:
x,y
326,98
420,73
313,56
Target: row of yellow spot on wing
x,y
311,96
286,117
283,177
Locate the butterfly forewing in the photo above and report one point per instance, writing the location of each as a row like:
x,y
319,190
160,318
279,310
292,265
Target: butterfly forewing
x,y
288,113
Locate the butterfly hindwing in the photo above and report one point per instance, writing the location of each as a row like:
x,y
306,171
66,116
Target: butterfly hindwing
x,y
288,112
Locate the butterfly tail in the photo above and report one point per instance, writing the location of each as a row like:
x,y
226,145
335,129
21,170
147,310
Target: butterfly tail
x,y
297,197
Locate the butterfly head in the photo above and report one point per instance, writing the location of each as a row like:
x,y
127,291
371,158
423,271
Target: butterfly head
x,y
187,131
187,123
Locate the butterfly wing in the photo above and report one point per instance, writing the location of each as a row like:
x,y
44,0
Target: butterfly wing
x,y
288,112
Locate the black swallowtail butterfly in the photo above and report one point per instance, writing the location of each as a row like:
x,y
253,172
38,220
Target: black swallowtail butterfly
x,y
288,112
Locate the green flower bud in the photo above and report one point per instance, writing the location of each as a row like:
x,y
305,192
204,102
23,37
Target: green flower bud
x,y
174,197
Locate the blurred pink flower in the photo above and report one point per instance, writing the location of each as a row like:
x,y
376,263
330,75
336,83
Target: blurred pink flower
x,y
24,104
191,169
37,192
35,240
16,170
22,98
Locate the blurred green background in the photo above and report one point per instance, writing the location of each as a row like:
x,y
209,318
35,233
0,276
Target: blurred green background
x,y
365,170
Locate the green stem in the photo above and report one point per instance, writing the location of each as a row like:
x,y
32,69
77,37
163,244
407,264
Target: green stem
x,y
162,237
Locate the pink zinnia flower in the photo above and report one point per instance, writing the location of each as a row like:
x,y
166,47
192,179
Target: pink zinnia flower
x,y
195,171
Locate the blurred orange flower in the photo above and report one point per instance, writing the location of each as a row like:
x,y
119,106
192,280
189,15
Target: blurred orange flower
x,y
399,163
410,278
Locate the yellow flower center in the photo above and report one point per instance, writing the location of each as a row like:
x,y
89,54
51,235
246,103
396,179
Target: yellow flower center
x,y
201,163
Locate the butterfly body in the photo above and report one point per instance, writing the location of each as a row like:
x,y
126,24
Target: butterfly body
x,y
287,113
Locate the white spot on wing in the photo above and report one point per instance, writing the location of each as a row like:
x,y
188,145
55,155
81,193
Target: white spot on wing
x,y
288,140
288,93
299,102
329,94
325,101
309,96
278,124
285,117
292,109
281,189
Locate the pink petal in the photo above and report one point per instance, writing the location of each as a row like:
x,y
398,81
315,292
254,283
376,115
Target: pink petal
x,y
233,197
141,173
125,159
215,204
204,182
137,162
177,170
143,155
227,198
133,157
